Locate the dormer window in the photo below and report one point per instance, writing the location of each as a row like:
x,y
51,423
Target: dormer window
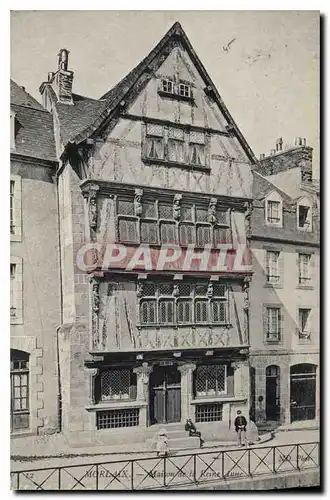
x,y
273,212
168,86
304,214
303,221
184,90
274,209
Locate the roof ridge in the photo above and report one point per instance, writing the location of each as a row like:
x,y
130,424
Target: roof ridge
x,y
273,185
30,107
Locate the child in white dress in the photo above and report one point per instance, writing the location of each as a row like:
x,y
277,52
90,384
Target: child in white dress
x,y
162,447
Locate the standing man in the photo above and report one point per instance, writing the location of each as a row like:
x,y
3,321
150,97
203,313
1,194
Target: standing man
x,y
240,427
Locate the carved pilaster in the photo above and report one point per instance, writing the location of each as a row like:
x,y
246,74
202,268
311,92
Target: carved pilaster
x,y
186,370
211,216
247,220
177,206
138,193
90,193
92,373
246,307
139,288
95,304
143,374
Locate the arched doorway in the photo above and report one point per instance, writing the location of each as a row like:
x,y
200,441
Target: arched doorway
x,y
302,391
273,392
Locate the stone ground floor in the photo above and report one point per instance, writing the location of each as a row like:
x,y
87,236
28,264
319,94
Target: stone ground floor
x,y
123,397
284,387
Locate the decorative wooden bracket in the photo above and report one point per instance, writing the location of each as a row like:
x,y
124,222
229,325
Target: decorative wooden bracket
x,y
177,206
211,216
138,202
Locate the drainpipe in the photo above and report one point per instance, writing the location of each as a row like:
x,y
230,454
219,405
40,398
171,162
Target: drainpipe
x,y
59,386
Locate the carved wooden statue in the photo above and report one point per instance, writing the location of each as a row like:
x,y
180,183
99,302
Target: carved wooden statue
x,y
211,216
177,207
138,202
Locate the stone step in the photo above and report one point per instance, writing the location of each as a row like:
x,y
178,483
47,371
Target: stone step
x,y
155,428
181,443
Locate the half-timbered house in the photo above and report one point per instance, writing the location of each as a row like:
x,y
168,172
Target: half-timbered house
x,y
155,177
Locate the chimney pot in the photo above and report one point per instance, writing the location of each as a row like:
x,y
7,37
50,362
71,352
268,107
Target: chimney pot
x,y
262,156
50,76
279,144
63,59
272,151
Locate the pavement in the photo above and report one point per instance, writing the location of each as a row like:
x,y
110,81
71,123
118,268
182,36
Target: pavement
x,y
54,451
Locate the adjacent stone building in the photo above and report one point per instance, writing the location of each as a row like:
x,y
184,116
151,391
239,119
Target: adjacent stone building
x,y
284,293
156,161
34,267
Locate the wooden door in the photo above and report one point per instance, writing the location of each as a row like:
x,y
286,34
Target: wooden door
x,y
165,395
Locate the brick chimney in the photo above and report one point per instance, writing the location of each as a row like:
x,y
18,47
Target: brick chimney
x,y
61,80
281,160
279,144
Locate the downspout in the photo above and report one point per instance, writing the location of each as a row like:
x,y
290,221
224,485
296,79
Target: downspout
x,y
59,385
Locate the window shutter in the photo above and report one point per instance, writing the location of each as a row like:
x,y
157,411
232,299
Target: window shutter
x,y
167,232
281,267
128,230
187,233
265,322
203,235
281,323
149,232
313,269
166,311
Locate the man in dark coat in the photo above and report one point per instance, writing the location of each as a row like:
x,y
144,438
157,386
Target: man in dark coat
x,y
240,427
191,428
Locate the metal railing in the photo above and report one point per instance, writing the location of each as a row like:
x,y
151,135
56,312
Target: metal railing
x,y
172,471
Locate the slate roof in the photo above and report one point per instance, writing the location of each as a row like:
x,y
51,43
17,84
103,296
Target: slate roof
x,y
34,131
20,97
262,187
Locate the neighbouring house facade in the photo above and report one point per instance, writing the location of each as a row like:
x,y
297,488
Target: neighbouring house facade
x,y
34,267
284,293
156,335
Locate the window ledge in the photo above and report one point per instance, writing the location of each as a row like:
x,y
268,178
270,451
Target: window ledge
x,y
177,97
167,163
273,285
184,325
114,405
268,341
218,399
274,224
15,237
305,287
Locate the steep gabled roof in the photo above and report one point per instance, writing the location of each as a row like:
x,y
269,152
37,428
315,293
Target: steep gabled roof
x,y
20,97
96,114
34,131
74,119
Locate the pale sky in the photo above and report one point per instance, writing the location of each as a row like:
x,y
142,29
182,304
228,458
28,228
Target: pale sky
x,y
269,77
